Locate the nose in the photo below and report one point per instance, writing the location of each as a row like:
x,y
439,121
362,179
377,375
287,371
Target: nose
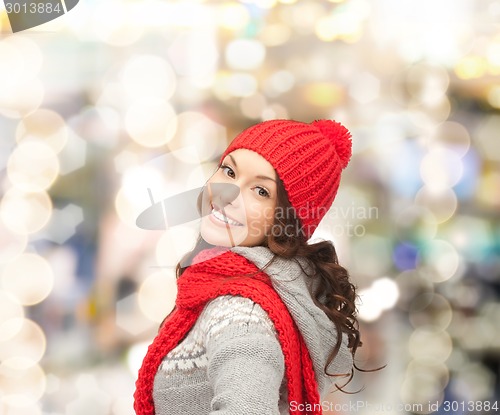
x,y
223,194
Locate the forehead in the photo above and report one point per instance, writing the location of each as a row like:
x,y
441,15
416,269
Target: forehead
x,y
248,159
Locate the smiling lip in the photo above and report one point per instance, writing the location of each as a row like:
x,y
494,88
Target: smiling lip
x,y
217,215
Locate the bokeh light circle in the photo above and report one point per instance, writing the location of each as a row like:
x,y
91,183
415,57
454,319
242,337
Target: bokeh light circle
x,y
46,125
32,166
420,388
11,244
232,16
428,84
245,54
441,168
440,261
18,100
435,113
494,96
135,356
29,343
22,383
439,370
486,137
380,296
175,243
27,409
452,136
25,213
21,59
157,294
441,203
196,130
11,66
133,197
430,309
148,76
11,316
199,175
128,209
240,84
30,52
21,92
428,341
151,122
279,82
29,277
274,34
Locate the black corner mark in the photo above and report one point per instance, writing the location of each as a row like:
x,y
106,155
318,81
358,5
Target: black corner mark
x,y
25,14
183,207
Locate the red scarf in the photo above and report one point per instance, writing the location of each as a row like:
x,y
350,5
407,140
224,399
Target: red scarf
x,y
222,274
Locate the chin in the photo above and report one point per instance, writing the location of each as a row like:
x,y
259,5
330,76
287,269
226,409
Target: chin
x,y
219,236
216,241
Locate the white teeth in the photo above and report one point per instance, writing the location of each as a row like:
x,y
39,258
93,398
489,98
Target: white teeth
x,y
223,218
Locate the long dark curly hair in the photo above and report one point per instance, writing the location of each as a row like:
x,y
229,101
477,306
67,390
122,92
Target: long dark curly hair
x,y
334,293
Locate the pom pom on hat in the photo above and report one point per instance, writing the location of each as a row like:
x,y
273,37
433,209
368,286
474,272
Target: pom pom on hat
x,y
340,137
308,158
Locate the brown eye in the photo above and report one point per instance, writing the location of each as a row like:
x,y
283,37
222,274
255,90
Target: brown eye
x,y
228,171
262,192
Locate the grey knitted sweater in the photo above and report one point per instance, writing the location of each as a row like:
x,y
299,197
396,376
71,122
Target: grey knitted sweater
x,y
231,361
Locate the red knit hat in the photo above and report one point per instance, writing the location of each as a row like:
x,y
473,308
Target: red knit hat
x,y
308,158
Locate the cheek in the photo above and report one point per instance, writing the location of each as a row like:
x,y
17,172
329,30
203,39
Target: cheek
x,y
259,213
203,202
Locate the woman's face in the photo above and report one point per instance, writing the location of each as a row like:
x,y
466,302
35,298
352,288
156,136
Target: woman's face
x,y
241,218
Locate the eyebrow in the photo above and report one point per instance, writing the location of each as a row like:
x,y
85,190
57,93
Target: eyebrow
x,y
233,160
258,177
265,178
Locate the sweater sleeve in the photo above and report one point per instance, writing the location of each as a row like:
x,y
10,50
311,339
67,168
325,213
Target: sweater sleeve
x,y
245,359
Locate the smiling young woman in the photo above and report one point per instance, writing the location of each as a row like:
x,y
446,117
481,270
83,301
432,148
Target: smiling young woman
x,y
264,322
245,220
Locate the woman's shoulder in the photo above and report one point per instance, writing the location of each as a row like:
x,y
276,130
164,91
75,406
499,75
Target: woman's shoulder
x,y
235,315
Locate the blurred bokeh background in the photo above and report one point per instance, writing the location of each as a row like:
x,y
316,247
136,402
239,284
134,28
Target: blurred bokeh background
x,y
119,104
